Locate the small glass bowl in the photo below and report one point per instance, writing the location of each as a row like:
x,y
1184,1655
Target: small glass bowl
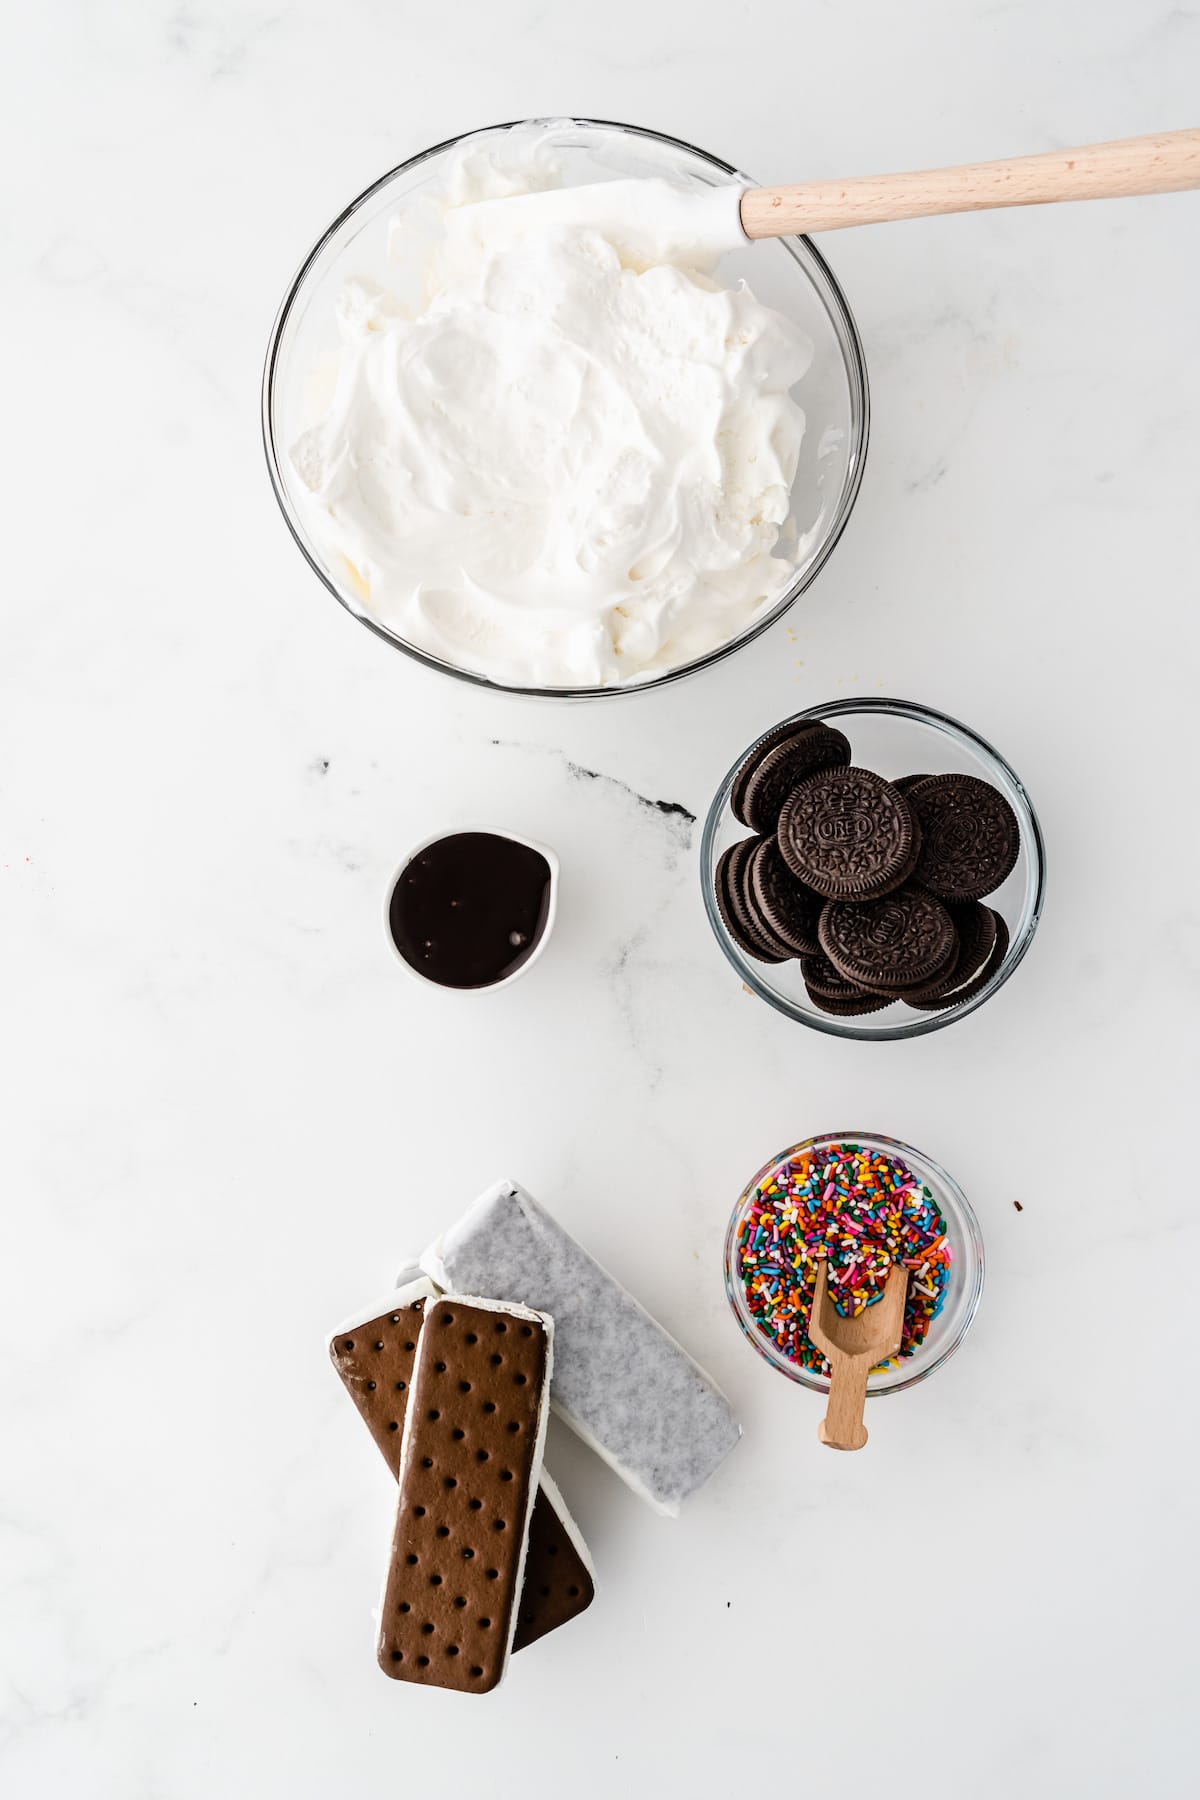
x,y
965,1284
789,274
894,738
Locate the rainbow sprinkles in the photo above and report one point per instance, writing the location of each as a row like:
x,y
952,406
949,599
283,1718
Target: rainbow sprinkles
x,y
860,1211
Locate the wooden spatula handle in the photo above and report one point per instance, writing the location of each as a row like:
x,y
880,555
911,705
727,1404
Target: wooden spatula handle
x,y
1142,165
842,1427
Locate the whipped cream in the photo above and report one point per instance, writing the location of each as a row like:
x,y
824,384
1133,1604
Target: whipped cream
x,y
563,456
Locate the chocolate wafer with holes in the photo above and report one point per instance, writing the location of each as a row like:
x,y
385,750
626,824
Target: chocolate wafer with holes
x,y
559,1583
471,1454
374,1355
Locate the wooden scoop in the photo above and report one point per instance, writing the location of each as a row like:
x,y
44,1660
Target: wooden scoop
x,y
853,1347
1143,165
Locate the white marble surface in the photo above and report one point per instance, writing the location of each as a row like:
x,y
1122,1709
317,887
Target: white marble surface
x,y
227,1116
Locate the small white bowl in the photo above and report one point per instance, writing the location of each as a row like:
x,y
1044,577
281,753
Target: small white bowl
x,y
514,837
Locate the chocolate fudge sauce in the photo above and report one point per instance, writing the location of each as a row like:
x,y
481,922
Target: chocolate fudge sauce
x,y
469,909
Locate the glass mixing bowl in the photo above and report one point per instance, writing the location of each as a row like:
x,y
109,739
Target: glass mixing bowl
x,y
965,1285
786,273
892,737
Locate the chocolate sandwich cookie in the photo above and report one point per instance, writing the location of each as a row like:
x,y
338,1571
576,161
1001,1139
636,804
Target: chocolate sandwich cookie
x,y
831,992
976,928
977,983
469,1466
786,906
730,894
752,912
848,834
824,982
790,731
904,782
970,836
375,1358
854,1008
773,769
770,740
900,941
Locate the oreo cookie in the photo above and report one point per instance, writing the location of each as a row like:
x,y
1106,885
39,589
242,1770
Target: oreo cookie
x,y
731,904
750,912
904,782
900,941
975,984
786,907
848,834
824,982
976,928
970,838
853,1008
777,762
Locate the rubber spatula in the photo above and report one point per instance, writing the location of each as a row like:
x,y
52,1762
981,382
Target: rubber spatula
x,y
652,220
852,1347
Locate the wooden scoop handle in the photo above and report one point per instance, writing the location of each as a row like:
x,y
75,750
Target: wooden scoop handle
x,y
842,1427
1162,164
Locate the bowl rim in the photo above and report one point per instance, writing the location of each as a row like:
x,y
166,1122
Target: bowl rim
x,y
1032,840
829,291
970,1235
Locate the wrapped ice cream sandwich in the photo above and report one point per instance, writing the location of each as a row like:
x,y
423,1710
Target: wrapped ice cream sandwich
x,y
620,1380
374,1353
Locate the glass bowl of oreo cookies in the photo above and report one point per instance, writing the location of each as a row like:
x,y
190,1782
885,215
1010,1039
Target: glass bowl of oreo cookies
x,y
873,868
